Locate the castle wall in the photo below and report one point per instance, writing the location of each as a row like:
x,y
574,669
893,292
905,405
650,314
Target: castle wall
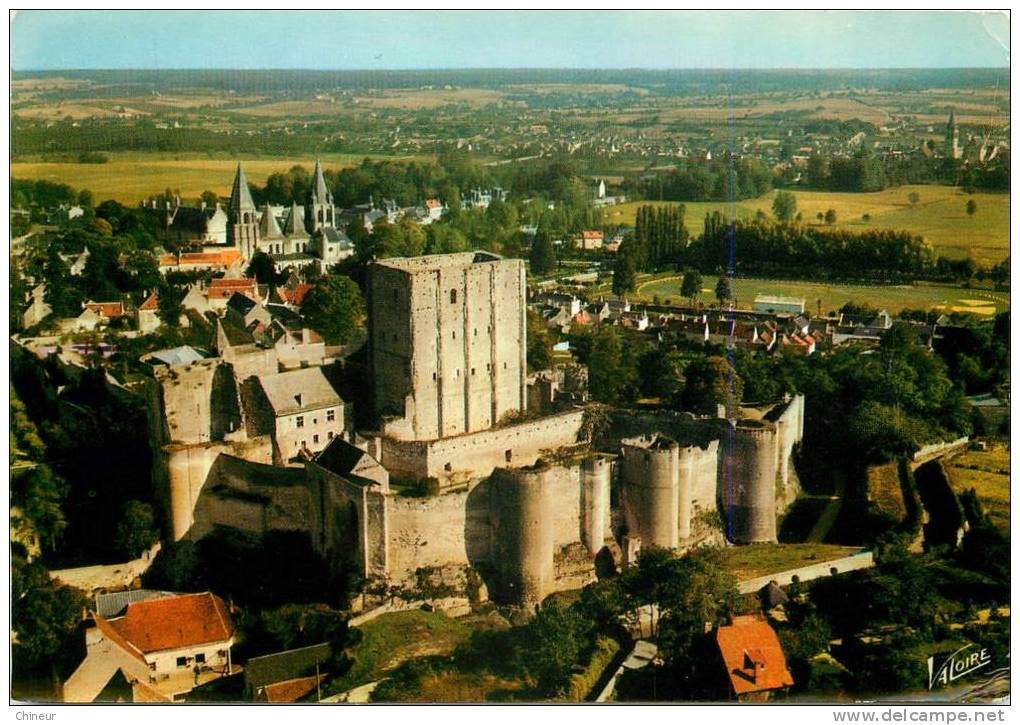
x,y
475,455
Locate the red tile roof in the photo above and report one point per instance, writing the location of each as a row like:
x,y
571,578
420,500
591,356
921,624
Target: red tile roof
x,y
224,289
111,633
592,235
223,258
151,303
106,309
753,656
432,204
297,295
175,622
292,690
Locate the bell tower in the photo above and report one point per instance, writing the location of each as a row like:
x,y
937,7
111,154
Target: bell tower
x,y
321,209
244,218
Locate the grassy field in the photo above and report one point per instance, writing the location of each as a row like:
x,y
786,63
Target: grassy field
x,y
130,178
391,639
939,216
754,560
987,472
885,490
833,296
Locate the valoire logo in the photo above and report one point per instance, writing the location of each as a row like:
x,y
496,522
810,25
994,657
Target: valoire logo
x,y
959,663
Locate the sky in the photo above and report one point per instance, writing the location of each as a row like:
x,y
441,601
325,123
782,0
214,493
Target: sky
x,y
385,39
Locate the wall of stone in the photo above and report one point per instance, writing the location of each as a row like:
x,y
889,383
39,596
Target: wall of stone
x,y
525,537
596,480
749,483
650,474
474,455
449,333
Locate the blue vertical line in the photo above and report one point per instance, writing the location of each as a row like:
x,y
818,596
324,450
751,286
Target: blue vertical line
x,y
729,407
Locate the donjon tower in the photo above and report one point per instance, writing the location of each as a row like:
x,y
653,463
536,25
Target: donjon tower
x,y
448,342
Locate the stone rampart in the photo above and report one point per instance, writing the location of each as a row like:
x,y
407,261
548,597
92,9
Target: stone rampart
x,y
524,534
106,577
748,473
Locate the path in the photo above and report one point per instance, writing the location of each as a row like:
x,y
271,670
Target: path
x,y
828,516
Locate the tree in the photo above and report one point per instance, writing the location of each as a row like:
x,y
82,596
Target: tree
x,y
136,530
971,207
335,309
913,197
86,199
723,289
611,374
830,217
691,286
542,258
624,276
551,645
45,619
539,343
169,304
820,217
784,206
711,382
210,198
262,269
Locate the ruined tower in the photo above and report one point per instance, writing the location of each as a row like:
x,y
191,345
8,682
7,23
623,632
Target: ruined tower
x,y
448,342
748,479
244,218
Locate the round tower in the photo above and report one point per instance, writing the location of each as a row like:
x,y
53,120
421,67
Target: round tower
x,y
650,484
524,536
595,479
749,483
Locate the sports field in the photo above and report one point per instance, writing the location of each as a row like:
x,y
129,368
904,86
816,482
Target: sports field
x,y
940,216
831,297
129,178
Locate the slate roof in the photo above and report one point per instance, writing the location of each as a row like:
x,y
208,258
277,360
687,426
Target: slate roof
x,y
242,304
176,622
191,219
114,603
337,236
320,191
176,356
298,390
295,224
268,227
752,654
240,194
280,667
340,457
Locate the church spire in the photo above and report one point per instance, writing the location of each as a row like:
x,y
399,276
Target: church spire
x,y
320,192
240,194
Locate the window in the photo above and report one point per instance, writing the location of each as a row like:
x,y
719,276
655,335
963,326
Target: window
x,y
453,297
330,415
315,438
472,371
200,658
433,376
182,661
454,334
448,466
152,666
304,444
329,436
300,421
509,454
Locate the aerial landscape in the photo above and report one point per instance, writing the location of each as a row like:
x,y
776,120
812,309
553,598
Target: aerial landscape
x,y
464,370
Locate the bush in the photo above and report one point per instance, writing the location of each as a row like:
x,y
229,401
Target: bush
x,y
582,683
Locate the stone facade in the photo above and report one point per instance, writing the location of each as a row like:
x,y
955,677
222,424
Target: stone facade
x,y
448,341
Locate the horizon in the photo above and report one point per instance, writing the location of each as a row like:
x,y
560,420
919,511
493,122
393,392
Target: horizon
x,y
386,40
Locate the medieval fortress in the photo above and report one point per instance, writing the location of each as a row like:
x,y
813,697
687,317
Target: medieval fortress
x,y
458,470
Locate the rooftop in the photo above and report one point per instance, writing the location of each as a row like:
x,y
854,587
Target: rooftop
x,y
752,654
439,261
174,622
298,390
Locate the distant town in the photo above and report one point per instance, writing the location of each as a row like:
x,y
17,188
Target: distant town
x,y
480,399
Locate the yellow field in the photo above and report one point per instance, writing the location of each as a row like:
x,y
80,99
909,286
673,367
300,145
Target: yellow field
x,y
987,472
130,178
940,216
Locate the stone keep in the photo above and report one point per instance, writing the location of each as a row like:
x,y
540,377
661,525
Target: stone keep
x,y
448,343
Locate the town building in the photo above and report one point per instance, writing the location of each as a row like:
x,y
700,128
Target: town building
x,y
752,658
774,304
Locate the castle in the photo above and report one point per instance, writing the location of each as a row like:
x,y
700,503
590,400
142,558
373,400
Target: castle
x,y
458,472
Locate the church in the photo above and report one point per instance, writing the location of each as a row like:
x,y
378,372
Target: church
x,y
294,237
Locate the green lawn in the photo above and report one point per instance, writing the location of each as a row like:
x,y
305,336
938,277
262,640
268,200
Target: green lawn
x,y
833,296
939,216
754,560
391,639
987,472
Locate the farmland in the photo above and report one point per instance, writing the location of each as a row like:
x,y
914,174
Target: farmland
x,y
939,216
833,296
132,177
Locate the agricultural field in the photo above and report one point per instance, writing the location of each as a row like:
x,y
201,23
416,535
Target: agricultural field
x,y
129,177
987,472
830,297
939,216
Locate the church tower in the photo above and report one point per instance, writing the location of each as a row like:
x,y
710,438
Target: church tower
x,y
244,218
953,149
321,209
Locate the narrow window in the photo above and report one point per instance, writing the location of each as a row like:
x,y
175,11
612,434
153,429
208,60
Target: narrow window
x,y
472,371
509,455
448,466
315,438
300,421
330,415
453,297
329,435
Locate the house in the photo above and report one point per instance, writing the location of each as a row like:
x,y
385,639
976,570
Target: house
x,y
159,649
286,676
774,304
591,239
433,209
195,225
304,412
600,189
221,290
148,314
37,309
753,658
